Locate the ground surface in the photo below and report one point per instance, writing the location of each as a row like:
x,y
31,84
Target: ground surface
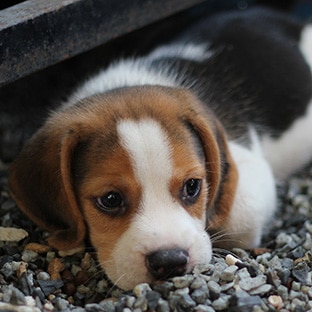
x,y
33,277
276,276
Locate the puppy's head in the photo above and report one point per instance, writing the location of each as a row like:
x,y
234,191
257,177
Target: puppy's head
x,y
138,170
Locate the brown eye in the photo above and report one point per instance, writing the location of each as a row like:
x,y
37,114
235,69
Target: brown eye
x,y
190,191
111,203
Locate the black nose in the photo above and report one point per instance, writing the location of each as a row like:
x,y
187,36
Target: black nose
x,y
167,263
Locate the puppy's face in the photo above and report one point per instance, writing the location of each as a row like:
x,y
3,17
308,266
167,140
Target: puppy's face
x,y
148,196
138,170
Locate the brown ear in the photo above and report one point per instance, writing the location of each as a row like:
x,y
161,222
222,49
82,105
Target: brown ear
x,y
40,182
222,174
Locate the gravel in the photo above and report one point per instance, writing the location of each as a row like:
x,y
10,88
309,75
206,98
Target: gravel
x,y
277,276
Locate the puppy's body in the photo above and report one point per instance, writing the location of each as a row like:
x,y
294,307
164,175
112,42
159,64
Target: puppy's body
x,y
154,153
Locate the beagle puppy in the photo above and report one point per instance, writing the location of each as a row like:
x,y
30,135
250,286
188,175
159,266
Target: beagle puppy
x,y
157,158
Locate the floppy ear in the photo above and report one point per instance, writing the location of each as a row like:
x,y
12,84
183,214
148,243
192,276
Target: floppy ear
x,y
222,174
41,184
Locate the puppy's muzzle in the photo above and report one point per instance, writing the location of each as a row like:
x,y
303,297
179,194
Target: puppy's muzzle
x,y
167,263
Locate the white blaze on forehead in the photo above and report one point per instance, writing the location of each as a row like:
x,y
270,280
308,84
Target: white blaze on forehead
x,y
149,149
161,222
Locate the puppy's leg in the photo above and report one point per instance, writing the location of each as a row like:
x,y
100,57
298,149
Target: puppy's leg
x,y
255,199
293,149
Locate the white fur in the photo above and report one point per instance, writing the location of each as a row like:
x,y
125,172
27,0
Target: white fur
x,y
189,51
125,73
160,222
305,44
137,72
255,198
293,149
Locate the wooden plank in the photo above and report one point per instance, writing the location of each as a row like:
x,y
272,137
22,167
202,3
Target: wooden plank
x,y
35,33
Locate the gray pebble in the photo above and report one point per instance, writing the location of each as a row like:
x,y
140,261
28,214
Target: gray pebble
x,y
141,303
252,283
204,308
173,300
295,286
283,292
75,309
300,272
198,283
182,291
228,273
243,274
107,305
214,290
163,306
182,281
101,286
261,290
296,305
308,242
207,268
227,286
152,299
130,300
200,295
48,287
94,307
75,269
61,304
220,304
246,302
17,297
29,256
164,288
185,303
219,268
7,269
141,289
44,276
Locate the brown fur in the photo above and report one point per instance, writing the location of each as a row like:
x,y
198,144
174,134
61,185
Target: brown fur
x,y
67,163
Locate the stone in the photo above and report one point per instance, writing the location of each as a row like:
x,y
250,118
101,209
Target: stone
x,y
182,281
29,256
252,283
38,248
152,299
141,289
261,290
220,304
276,301
10,234
300,272
49,287
56,266
44,276
228,273
204,308
94,307
214,290
61,304
141,303
185,303
164,288
200,295
163,306
198,282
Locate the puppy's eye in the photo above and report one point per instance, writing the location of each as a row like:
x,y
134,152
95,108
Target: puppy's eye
x,y
111,203
191,190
